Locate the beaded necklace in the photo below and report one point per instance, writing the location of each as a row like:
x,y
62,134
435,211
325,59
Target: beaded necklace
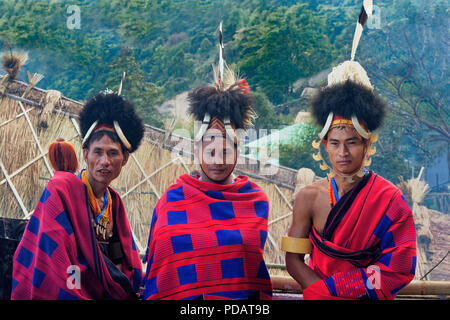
x,y
333,195
102,216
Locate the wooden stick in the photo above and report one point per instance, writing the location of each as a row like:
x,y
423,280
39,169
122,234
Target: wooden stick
x,y
13,189
50,170
415,287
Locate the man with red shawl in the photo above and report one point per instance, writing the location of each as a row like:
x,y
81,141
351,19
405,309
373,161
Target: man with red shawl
x,y
78,242
208,231
356,226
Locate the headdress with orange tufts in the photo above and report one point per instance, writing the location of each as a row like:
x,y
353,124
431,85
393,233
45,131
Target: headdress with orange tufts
x,y
225,105
62,156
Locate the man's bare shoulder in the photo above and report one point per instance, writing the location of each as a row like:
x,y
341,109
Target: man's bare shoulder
x,y
311,191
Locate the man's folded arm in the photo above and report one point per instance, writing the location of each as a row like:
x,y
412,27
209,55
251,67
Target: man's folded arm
x,y
392,271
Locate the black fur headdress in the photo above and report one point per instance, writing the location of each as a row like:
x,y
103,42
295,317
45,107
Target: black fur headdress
x,y
108,109
226,104
347,99
233,102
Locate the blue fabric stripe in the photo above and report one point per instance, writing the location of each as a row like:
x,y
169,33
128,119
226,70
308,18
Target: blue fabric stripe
x,y
370,292
64,295
38,278
331,285
64,222
413,267
33,225
150,288
335,190
215,194
14,284
263,238
47,244
45,195
228,237
25,257
262,209
175,194
222,210
382,226
232,268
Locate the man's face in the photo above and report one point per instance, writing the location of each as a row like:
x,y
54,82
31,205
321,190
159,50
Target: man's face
x,y
104,160
218,158
346,149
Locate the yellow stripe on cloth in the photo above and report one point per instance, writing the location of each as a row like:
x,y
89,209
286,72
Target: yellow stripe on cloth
x,y
296,245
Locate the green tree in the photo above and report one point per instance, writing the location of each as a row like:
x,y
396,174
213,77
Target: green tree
x,y
266,115
277,50
137,88
415,77
299,151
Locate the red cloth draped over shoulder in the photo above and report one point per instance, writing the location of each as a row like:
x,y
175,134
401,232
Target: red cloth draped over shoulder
x,y
59,247
207,242
367,248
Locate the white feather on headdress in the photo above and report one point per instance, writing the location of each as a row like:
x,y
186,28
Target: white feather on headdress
x,y
366,13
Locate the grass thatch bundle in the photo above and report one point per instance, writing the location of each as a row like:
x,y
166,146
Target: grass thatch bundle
x,y
12,62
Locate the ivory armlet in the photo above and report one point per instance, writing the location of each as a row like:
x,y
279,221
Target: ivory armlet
x,y
296,245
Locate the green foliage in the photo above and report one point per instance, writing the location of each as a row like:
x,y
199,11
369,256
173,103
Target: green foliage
x,y
167,47
266,116
406,59
277,49
136,87
298,153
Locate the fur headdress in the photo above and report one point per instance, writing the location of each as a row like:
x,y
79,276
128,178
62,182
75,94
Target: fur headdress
x,y
225,105
349,100
111,112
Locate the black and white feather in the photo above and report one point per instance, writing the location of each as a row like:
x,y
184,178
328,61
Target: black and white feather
x,y
364,15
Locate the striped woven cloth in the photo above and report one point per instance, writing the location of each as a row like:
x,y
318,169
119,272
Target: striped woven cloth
x,y
207,241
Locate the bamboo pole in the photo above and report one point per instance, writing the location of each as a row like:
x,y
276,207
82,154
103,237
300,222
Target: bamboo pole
x,y
415,287
13,189
38,143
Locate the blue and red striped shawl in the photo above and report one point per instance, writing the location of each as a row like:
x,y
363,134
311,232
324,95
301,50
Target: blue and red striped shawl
x,y
207,242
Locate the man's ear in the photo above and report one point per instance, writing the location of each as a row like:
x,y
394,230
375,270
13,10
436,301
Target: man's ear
x,y
85,154
197,151
237,151
126,156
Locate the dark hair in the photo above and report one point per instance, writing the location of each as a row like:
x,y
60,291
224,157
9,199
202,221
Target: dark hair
x,y
347,99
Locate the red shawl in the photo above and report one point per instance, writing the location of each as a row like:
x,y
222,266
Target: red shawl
x,y
59,248
207,242
368,246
